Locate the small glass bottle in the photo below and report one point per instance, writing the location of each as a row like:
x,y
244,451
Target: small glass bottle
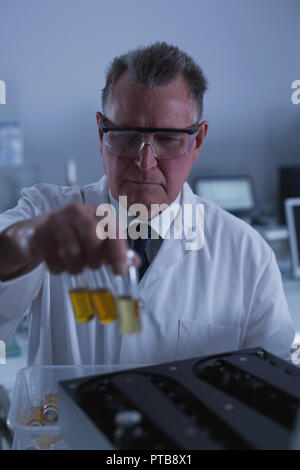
x,y
34,414
80,297
127,299
127,423
102,297
50,407
11,144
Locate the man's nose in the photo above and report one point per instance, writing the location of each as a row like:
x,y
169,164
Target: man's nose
x,y
146,158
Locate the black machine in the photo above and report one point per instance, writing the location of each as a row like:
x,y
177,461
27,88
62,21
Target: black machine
x,y
247,399
289,187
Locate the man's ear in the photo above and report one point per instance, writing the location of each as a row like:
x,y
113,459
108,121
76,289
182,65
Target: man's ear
x,y
98,119
199,139
100,133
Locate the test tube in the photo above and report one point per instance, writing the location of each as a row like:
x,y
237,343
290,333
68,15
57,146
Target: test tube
x,y
80,297
102,298
127,299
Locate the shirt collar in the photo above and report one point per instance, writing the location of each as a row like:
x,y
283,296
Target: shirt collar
x,y
161,223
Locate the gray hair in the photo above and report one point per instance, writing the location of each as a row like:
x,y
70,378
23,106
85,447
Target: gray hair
x,y
157,65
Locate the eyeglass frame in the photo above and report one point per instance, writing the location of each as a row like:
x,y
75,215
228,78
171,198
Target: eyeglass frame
x,y
191,130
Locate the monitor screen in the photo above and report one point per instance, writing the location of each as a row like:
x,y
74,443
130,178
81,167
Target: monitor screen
x,y
234,194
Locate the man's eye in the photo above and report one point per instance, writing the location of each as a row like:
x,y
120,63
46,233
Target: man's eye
x,y
127,137
166,139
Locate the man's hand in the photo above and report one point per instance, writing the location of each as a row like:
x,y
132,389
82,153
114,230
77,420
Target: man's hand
x,y
65,240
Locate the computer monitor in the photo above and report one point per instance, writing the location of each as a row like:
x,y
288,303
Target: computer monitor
x,y
233,193
292,214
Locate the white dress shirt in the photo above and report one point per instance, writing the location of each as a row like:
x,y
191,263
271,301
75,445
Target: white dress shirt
x,y
160,224
225,296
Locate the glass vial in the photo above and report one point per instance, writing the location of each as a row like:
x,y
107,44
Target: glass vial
x,y
34,414
126,423
102,297
80,297
50,407
127,299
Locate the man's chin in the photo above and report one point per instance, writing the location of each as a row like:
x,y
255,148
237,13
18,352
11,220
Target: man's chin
x,y
145,199
143,193
150,201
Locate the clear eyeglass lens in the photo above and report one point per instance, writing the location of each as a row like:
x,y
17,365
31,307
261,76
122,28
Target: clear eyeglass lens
x,y
127,144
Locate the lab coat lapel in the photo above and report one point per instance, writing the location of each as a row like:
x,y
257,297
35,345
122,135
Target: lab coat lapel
x,y
172,250
170,253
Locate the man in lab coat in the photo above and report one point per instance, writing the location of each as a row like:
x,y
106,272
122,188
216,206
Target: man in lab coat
x,y
225,295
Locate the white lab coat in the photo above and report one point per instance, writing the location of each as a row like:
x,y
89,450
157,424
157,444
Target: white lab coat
x,y
226,296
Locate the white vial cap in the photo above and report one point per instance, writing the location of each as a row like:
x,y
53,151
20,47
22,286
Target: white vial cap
x,y
128,418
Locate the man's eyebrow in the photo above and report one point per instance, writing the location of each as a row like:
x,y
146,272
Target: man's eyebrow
x,y
123,124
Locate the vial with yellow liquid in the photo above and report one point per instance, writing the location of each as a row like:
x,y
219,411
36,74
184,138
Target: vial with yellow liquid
x,y
102,297
127,299
80,298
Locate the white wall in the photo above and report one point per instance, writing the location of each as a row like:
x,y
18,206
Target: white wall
x,y
54,53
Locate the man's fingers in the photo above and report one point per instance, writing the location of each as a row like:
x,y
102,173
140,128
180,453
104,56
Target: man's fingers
x,y
73,238
70,248
116,255
46,248
101,239
85,227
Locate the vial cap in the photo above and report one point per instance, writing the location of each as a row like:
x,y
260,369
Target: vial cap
x,y
50,415
130,255
128,418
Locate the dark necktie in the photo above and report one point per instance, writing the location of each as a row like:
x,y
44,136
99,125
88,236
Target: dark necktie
x,y
139,247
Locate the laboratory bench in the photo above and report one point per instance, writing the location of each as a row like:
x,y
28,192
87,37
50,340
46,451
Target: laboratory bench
x,y
247,399
18,361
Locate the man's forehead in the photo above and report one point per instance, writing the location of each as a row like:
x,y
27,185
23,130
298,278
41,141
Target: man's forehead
x,y
132,100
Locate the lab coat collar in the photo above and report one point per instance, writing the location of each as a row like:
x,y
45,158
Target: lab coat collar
x,y
172,250
161,223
